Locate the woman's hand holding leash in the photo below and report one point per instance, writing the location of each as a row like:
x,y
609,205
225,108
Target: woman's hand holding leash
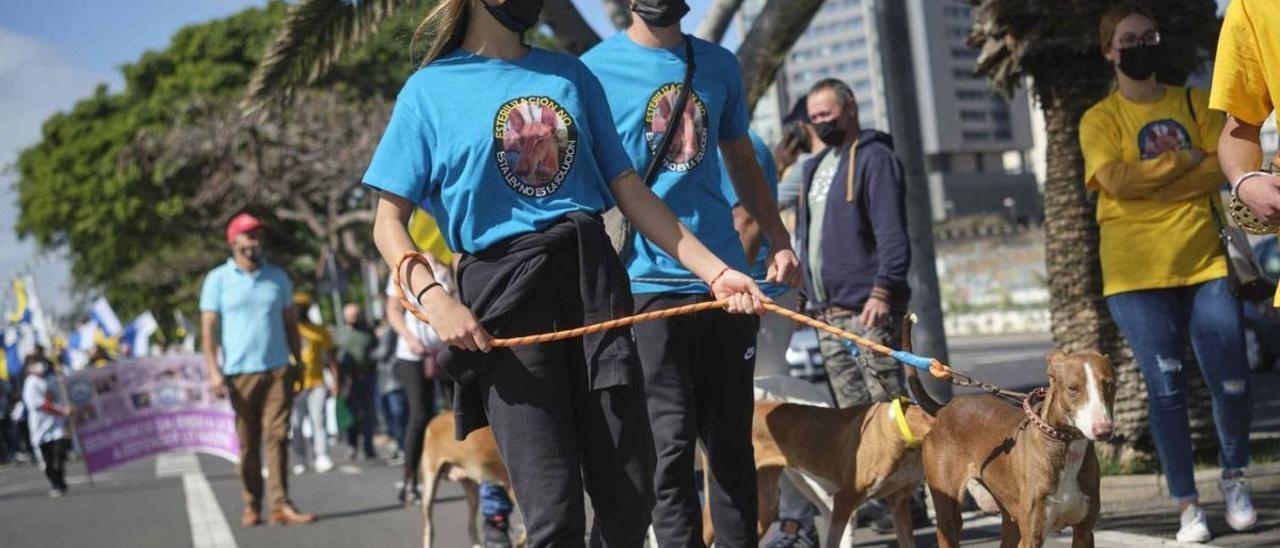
x,y
742,294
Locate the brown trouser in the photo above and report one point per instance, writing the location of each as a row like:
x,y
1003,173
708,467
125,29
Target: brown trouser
x,y
262,402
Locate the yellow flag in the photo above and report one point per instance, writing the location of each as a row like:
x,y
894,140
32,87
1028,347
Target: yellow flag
x,y
20,292
427,236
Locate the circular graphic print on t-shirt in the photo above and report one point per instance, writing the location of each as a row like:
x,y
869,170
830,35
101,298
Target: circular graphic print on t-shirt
x,y
535,142
1161,136
689,145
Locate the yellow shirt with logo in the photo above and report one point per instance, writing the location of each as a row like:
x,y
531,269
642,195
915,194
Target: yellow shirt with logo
x,y
1248,47
1157,229
316,345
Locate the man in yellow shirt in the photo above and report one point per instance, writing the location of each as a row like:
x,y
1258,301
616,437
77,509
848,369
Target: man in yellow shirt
x,y
313,389
1246,85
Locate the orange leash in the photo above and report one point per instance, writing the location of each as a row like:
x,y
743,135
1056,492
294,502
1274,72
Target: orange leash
x,y
400,279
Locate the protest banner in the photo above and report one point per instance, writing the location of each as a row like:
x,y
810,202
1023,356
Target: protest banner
x,y
134,409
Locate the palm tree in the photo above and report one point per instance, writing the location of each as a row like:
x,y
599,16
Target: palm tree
x,y
316,33
1052,47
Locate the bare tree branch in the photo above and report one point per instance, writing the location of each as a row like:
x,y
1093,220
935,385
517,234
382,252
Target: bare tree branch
x,y
775,31
571,31
717,20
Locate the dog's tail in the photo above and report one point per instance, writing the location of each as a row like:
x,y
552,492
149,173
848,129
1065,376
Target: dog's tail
x,y
927,403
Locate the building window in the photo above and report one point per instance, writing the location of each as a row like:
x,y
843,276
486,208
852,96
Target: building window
x,y
964,53
1004,134
963,74
973,115
976,136
971,94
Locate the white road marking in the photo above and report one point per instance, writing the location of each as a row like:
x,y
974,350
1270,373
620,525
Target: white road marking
x,y
209,527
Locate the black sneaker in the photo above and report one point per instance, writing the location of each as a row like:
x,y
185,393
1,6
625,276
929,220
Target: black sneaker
x,y
496,532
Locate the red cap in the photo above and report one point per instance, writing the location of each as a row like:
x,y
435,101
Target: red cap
x,y
240,224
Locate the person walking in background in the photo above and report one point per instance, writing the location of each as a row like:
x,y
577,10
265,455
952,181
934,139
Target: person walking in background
x,y
415,370
1246,86
799,144
46,418
319,381
391,400
358,376
1150,152
249,330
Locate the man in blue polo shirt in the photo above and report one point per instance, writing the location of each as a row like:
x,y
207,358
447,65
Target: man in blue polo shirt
x,y
246,311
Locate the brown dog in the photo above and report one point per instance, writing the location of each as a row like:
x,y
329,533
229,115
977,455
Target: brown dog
x,y
840,458
470,462
1041,477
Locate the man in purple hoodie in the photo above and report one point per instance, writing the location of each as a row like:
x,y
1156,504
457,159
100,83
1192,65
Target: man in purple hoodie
x,y
852,231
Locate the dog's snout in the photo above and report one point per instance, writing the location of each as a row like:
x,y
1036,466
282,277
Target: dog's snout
x,y
1102,431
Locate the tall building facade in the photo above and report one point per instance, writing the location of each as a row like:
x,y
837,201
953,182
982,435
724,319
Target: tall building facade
x,y
976,143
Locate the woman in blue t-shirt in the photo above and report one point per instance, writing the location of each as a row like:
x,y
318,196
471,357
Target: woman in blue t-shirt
x,y
514,151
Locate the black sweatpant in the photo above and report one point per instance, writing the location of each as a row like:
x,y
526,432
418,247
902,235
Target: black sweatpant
x,y
55,462
698,379
420,396
557,436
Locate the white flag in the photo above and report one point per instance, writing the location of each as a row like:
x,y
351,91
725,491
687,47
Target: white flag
x,y
105,317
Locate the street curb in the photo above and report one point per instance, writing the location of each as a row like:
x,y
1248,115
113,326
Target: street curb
x,y
1146,486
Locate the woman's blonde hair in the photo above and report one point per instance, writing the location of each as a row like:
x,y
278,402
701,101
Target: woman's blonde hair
x,y
1112,18
445,26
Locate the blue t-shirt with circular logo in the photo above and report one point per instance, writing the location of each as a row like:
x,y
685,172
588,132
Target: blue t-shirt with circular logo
x,y
643,84
495,148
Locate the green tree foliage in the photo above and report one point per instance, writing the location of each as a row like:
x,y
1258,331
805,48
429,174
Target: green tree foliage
x,y
142,230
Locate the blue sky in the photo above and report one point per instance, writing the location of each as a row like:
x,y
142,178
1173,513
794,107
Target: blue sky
x,y
54,52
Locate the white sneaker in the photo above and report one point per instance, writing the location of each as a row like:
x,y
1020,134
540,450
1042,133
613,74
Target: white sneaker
x,y
1240,513
323,464
299,469
1195,527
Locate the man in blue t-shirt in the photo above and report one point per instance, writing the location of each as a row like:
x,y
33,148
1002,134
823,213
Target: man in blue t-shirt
x,y
246,311
698,368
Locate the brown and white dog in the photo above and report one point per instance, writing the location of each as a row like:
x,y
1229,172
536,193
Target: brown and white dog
x,y
1042,478
838,458
470,462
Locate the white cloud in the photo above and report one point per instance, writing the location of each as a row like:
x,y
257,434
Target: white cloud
x,y
35,82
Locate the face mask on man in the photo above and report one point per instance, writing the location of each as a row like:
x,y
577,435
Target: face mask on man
x,y
830,132
253,254
660,13
517,15
1139,62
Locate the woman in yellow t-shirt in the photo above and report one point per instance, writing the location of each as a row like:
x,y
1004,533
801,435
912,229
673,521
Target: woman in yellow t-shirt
x,y
1150,152
1247,92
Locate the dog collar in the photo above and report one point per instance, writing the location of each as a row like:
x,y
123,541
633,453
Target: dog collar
x,y
1029,407
898,407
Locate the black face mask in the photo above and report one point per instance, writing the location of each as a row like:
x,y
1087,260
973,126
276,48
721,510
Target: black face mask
x,y
830,133
516,15
660,13
1139,62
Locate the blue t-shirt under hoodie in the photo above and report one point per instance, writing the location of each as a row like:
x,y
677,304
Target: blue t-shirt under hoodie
x,y
642,84
760,267
496,148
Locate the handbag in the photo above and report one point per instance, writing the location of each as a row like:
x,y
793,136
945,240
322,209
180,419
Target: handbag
x,y
651,172
1244,274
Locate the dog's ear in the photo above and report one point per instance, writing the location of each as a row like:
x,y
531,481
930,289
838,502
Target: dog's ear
x,y
1054,360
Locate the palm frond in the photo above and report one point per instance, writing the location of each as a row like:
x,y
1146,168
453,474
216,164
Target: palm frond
x,y
313,36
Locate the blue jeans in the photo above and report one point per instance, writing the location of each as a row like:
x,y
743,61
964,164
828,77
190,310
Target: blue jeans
x,y
1157,324
494,501
395,414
